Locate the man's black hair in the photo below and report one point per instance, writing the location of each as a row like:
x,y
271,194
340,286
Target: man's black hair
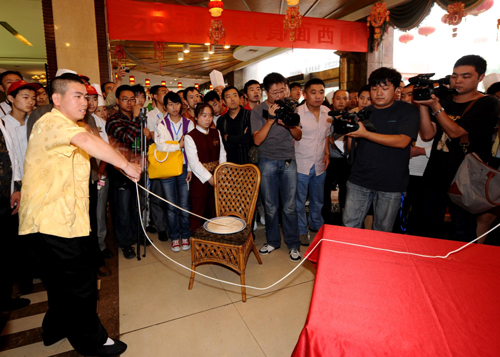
x,y
273,78
154,90
494,88
311,82
123,88
365,88
138,89
190,89
352,90
295,84
173,97
3,74
385,75
14,93
248,84
211,96
104,85
240,93
339,90
478,62
59,84
227,89
180,91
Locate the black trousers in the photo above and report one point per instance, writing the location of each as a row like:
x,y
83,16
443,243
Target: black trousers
x,y
157,207
337,172
67,271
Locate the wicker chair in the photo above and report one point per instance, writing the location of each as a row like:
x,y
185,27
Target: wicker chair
x,y
236,190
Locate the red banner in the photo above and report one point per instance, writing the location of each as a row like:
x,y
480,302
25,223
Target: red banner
x,y
149,21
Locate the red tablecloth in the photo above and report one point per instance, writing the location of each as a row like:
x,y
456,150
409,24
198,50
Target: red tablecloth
x,y
373,303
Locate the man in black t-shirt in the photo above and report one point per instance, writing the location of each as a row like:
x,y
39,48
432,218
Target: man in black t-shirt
x,y
380,171
447,125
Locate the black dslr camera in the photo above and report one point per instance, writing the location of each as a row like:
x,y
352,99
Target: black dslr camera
x,y
424,87
286,112
345,122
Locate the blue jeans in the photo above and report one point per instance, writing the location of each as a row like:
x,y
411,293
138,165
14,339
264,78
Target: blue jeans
x,y
279,179
316,186
176,191
385,207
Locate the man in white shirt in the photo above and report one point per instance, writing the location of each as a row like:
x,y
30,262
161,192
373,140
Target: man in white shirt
x,y
6,80
312,155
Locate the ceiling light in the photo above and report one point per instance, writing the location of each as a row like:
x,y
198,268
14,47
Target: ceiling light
x,y
206,55
227,46
211,49
186,48
180,56
207,43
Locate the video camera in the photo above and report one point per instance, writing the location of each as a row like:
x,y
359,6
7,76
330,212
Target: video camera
x,y
286,112
424,87
345,122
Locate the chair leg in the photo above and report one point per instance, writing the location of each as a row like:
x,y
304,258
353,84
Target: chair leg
x,y
254,248
191,279
243,289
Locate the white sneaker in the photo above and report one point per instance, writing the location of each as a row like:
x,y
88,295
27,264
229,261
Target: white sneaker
x,y
266,249
186,244
262,221
254,225
176,245
295,255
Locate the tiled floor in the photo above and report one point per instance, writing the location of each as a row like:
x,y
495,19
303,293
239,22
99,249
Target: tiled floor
x,y
159,316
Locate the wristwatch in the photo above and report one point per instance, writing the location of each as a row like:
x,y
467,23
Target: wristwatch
x,y
437,112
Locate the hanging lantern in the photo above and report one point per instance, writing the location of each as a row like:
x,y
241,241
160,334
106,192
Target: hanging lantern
x,y
405,38
292,21
217,32
186,48
163,83
211,87
480,40
196,86
292,2
119,53
179,85
485,6
116,76
180,56
211,49
379,20
206,55
215,7
131,80
426,30
147,82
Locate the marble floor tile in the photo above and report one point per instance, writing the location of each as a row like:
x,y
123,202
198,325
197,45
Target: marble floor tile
x,y
23,324
36,297
213,333
158,292
38,350
276,319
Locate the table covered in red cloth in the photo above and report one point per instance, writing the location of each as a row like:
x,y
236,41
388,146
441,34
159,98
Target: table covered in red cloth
x,y
375,303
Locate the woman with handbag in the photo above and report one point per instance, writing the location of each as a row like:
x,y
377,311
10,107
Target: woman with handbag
x,y
205,152
169,138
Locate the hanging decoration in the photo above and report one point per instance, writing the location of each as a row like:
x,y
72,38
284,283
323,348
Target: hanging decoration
x,y
426,30
120,54
485,6
379,21
217,32
147,82
215,7
131,80
292,2
179,85
456,12
196,86
164,83
405,38
158,48
292,22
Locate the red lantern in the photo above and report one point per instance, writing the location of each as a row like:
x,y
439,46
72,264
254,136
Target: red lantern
x,y
405,38
163,83
215,7
211,87
147,82
426,30
196,86
131,80
179,85
485,6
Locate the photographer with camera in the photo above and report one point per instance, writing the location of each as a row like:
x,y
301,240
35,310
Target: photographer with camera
x,y
449,125
277,164
380,170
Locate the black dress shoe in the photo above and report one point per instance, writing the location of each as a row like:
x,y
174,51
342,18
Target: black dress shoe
x,y
14,304
50,339
112,350
163,236
151,229
104,271
129,252
108,254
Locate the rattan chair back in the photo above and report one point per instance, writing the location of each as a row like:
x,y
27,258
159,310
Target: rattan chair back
x,y
236,190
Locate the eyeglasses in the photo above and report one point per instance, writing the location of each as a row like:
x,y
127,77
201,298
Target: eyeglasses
x,y
125,99
277,93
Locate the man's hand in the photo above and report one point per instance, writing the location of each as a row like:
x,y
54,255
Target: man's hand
x,y
15,200
189,176
133,171
147,132
272,110
225,137
326,160
136,111
211,181
360,133
416,151
181,143
121,73
432,103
